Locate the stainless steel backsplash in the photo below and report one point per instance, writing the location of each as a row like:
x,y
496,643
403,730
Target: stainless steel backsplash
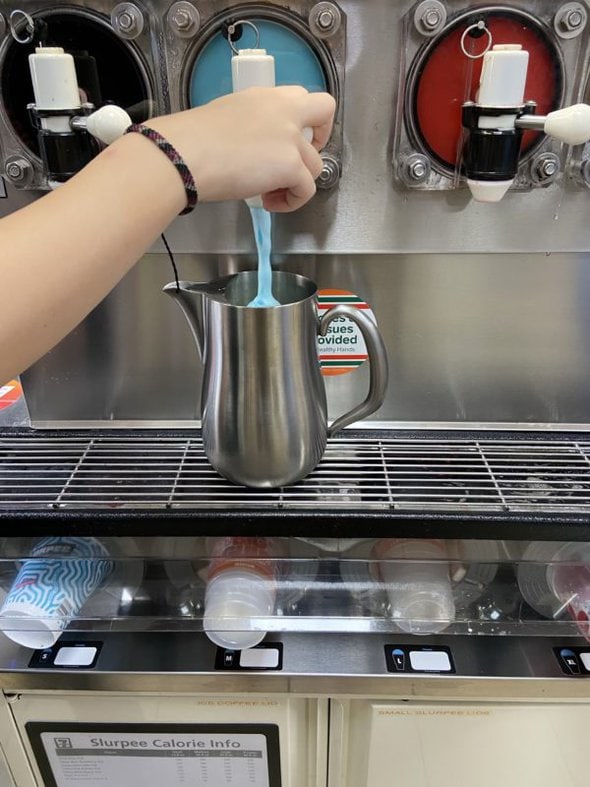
x,y
472,338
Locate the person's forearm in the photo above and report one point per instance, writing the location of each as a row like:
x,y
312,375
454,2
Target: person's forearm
x,y
61,255
113,210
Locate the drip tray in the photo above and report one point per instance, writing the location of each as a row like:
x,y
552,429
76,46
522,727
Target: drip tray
x,y
387,477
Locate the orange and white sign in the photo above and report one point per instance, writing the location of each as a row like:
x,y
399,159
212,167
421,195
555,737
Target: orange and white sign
x,y
10,393
343,348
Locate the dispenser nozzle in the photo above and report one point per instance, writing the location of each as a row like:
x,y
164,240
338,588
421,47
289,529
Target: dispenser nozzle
x,y
495,123
490,157
66,127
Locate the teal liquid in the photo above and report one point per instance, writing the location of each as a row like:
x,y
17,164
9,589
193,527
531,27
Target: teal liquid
x,y
261,221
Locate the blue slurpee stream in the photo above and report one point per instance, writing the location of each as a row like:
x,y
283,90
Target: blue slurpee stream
x,y
261,220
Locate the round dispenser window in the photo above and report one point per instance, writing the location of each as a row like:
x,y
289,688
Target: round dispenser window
x,y
108,70
442,78
296,62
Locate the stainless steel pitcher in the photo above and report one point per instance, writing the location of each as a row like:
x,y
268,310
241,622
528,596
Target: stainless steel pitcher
x,y
263,402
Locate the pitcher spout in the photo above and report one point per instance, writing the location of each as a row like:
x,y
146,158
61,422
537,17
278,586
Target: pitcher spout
x,y
189,296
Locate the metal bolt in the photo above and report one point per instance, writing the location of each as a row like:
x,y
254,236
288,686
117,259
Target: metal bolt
x,y
573,20
18,170
181,19
415,169
570,20
430,17
330,174
325,19
127,20
545,168
184,19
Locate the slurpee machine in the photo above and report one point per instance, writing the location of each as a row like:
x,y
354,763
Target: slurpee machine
x,y
353,546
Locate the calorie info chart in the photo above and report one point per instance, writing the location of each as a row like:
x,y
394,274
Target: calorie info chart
x,y
244,755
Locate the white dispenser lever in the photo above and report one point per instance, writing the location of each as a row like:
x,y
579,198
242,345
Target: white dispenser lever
x,y
106,124
570,125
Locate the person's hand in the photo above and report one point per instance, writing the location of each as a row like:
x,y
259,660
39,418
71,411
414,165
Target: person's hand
x,y
251,143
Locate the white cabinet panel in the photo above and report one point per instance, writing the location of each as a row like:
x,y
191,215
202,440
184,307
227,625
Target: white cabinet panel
x,y
6,779
14,766
301,723
376,744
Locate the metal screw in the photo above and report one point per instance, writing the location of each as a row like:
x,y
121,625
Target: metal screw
x,y
545,168
181,19
430,17
184,19
18,170
127,20
570,20
573,20
330,174
418,170
415,169
325,19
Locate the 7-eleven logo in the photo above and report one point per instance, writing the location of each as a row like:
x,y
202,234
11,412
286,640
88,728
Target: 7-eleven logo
x,y
343,348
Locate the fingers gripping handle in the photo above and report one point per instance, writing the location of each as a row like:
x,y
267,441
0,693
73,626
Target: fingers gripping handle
x,y
377,359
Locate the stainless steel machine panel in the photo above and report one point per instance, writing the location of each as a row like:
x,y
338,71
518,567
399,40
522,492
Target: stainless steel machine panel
x,y
473,338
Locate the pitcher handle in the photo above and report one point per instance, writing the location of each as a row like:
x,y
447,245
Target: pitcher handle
x,y
377,358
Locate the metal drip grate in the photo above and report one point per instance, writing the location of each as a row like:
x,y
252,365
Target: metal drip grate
x,y
140,472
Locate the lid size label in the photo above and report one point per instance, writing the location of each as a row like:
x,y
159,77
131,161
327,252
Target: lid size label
x,y
343,348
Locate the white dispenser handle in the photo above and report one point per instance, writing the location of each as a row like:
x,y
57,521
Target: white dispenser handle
x,y
108,123
570,125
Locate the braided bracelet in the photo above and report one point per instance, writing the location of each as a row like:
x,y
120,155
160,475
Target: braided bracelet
x,y
174,156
